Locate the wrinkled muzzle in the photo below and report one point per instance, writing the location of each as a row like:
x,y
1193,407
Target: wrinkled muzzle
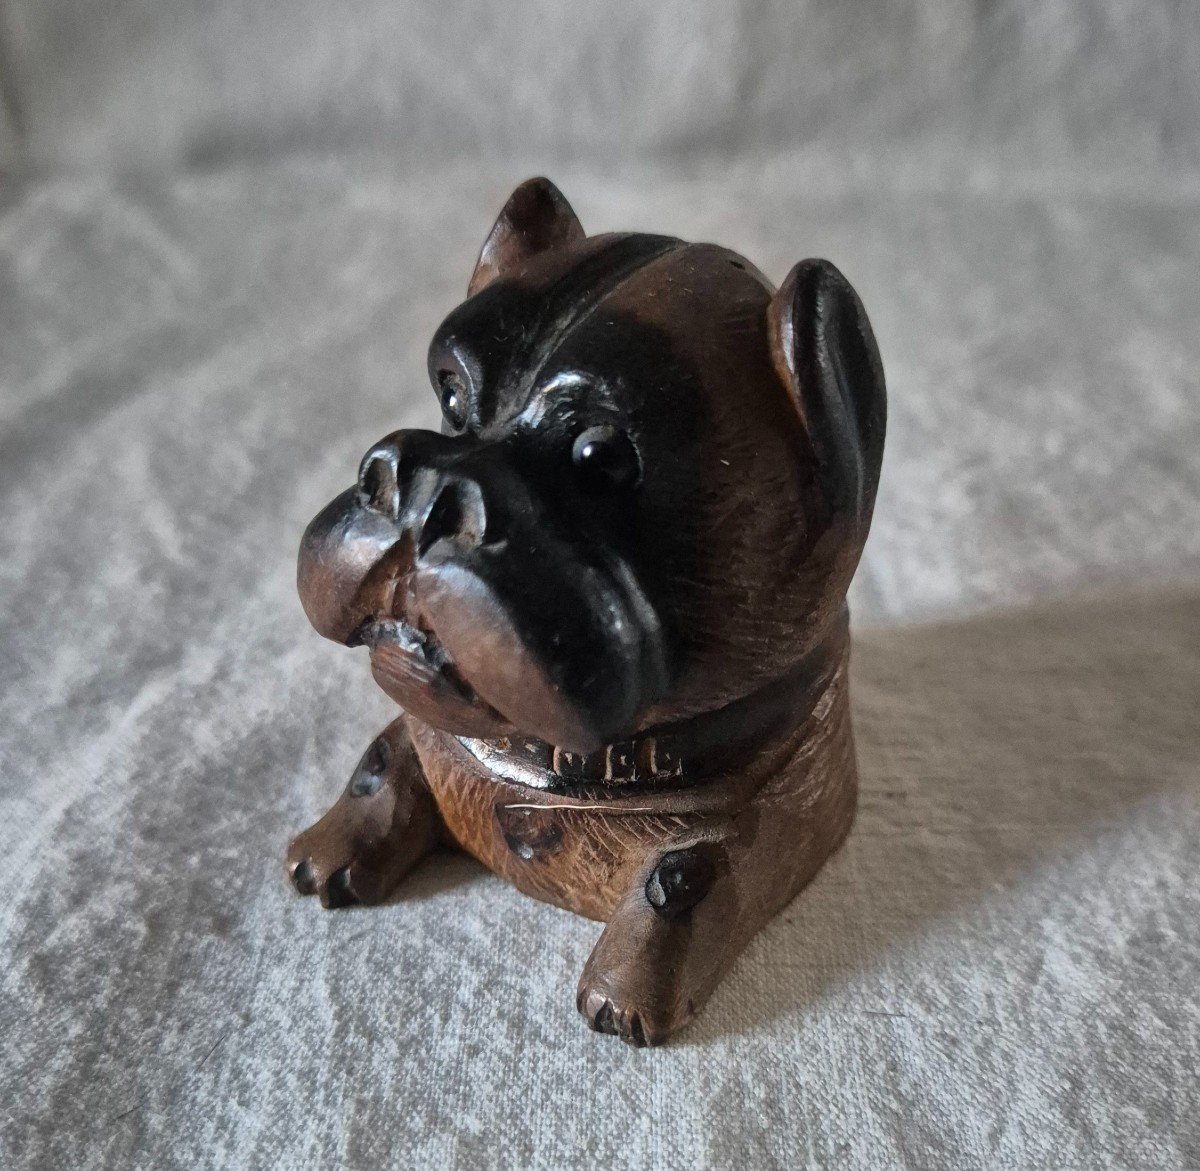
x,y
483,613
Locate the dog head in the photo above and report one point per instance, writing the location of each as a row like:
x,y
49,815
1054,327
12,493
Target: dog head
x,y
651,488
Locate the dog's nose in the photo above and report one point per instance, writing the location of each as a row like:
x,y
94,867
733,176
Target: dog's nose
x,y
379,480
425,492
456,516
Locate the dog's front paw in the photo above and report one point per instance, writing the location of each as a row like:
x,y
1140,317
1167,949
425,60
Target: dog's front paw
x,y
334,882
663,949
637,1022
372,835
634,985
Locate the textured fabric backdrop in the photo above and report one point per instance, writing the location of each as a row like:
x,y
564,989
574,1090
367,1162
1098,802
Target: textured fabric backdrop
x,y
226,234
1023,82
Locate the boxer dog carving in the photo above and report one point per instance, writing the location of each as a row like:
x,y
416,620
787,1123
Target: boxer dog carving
x,y
610,599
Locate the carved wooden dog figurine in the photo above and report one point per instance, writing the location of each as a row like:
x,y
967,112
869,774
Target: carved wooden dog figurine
x,y
610,598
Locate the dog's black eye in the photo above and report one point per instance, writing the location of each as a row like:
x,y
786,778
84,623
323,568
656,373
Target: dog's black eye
x,y
605,457
453,393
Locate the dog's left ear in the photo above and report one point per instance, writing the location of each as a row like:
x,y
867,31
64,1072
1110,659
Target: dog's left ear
x,y
825,353
536,218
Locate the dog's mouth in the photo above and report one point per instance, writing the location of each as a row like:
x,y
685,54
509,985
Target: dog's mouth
x,y
389,635
412,666
482,641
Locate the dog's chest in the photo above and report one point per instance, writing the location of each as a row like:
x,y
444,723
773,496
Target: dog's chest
x,y
580,855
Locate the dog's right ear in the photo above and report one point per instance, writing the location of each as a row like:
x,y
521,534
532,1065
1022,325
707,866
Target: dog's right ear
x,y
535,219
825,353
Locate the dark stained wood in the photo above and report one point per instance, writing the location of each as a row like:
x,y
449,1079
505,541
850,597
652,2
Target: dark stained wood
x,y
610,598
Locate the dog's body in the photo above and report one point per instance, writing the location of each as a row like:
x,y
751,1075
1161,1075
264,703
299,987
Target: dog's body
x,y
610,599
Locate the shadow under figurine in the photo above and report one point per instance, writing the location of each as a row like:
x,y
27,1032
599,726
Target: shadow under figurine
x,y
610,598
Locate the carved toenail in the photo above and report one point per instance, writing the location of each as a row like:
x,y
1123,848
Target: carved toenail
x,y
603,1021
303,878
637,1033
338,891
